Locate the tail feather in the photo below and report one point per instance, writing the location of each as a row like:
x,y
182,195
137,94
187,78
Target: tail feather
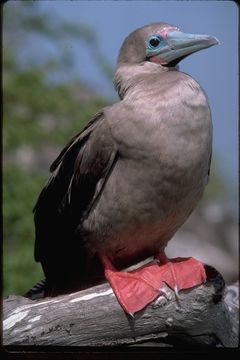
x,y
38,291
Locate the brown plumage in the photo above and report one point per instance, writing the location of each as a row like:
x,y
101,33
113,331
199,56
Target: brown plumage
x,y
123,186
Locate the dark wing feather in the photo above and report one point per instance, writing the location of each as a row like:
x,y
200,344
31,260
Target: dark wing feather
x,y
79,138
79,175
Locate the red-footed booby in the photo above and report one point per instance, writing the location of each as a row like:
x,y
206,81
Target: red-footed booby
x,y
123,186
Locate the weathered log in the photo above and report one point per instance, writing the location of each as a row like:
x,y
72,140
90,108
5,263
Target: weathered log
x,y
93,317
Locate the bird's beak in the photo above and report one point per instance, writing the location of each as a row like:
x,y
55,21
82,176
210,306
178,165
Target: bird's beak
x,y
179,45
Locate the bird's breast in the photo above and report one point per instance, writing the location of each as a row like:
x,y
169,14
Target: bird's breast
x,y
164,150
166,123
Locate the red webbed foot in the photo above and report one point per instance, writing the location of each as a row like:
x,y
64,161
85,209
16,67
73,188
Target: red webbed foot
x,y
136,289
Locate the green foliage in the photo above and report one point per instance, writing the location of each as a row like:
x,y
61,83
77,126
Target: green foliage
x,y
30,103
20,192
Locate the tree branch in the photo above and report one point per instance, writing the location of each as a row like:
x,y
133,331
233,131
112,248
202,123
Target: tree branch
x,y
93,317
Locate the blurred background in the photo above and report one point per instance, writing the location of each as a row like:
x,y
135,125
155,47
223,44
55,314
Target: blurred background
x,y
58,64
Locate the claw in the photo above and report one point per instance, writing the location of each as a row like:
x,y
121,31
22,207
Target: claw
x,y
166,294
160,301
176,292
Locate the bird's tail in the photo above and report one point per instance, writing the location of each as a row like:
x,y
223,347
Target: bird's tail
x,y
38,291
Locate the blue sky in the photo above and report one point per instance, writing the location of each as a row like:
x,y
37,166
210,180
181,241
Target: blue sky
x,y
216,69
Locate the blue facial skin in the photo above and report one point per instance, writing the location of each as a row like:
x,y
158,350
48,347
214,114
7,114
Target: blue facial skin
x,y
154,49
177,44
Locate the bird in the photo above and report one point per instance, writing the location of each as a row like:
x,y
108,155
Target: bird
x,y
121,187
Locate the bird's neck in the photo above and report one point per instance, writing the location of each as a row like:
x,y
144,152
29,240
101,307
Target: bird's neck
x,y
129,76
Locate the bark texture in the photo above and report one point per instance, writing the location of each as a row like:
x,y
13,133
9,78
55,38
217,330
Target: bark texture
x,y
205,315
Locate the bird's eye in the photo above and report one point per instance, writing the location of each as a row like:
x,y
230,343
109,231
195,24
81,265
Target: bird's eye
x,y
154,41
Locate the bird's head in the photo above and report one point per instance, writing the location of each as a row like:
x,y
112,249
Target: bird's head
x,y
163,44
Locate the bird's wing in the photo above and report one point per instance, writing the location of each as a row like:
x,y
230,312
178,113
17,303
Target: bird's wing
x,y
78,177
